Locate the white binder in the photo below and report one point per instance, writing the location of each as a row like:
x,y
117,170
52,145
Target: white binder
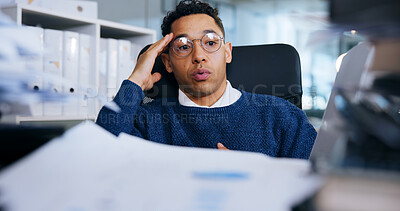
x,y
70,72
112,68
124,61
102,74
135,50
87,79
52,59
35,64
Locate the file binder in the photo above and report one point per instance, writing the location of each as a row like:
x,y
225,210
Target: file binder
x,y
52,59
135,50
102,74
124,61
112,68
85,55
35,64
70,72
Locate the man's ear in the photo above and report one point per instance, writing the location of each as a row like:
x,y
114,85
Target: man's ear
x,y
167,62
228,52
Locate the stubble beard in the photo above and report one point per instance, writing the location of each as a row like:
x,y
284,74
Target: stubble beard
x,y
196,92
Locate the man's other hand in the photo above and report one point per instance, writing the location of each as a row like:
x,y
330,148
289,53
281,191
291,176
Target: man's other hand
x,y
221,146
141,75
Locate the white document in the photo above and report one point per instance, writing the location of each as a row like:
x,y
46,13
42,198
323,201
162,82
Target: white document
x,y
70,72
86,75
90,169
124,61
53,59
35,64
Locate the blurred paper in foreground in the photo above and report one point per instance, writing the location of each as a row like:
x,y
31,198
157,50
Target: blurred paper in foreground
x,y
90,169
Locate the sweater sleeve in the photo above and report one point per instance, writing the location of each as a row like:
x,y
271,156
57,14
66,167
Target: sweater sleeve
x,y
119,115
298,134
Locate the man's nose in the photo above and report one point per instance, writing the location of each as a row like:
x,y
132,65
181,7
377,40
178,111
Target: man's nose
x,y
199,55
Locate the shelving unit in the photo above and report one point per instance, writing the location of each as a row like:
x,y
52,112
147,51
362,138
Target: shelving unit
x,y
30,15
21,119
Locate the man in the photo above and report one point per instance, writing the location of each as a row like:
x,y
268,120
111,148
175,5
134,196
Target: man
x,y
208,112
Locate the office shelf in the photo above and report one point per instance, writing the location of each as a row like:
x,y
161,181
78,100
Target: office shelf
x,y
52,118
29,15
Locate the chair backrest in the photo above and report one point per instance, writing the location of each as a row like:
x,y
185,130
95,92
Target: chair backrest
x,y
272,69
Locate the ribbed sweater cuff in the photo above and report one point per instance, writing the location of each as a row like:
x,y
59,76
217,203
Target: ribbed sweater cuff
x,y
129,96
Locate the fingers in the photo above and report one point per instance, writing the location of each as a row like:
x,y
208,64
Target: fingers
x,y
221,146
141,75
155,77
149,56
161,45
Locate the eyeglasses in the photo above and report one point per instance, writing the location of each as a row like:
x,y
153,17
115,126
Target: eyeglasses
x,y
210,42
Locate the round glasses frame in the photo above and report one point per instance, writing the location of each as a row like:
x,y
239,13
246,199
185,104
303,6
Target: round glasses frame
x,y
191,43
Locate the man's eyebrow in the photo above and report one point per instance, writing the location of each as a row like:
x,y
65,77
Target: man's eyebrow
x,y
209,31
181,35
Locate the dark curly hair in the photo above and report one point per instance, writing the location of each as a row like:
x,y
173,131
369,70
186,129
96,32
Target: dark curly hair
x,y
190,7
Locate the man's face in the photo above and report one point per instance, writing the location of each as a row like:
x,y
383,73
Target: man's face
x,y
200,73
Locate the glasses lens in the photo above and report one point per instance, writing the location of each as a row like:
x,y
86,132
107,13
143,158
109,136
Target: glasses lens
x,y
211,42
182,46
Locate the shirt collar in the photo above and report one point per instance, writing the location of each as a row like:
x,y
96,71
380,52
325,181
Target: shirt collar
x,y
230,96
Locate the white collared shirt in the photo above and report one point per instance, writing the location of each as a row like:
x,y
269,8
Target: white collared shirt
x,y
230,96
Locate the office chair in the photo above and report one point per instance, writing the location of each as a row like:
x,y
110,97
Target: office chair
x,y
272,69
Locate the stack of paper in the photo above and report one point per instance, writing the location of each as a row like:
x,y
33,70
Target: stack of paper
x,y
90,169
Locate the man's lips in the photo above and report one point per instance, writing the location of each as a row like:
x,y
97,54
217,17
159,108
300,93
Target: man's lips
x,y
201,74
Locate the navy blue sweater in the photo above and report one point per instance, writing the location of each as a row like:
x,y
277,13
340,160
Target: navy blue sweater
x,y
257,123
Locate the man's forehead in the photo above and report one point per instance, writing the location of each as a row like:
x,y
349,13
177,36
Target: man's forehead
x,y
195,25
204,32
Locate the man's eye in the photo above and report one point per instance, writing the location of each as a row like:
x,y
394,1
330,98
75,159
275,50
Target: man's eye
x,y
211,43
184,47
